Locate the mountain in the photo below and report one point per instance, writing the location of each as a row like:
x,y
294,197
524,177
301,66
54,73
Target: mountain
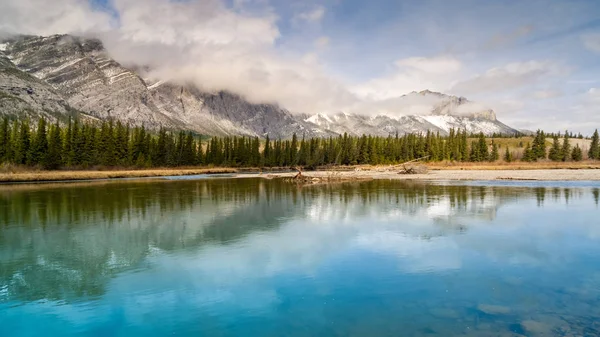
x,y
62,75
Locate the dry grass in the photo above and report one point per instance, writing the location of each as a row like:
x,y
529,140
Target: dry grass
x,y
501,165
32,176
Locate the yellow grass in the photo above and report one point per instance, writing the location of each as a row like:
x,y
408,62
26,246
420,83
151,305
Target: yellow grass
x,y
501,165
32,176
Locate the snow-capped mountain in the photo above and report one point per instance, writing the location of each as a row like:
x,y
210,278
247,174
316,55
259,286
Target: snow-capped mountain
x,y
438,113
63,75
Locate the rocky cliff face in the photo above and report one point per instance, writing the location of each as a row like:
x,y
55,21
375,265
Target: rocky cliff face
x,y
62,75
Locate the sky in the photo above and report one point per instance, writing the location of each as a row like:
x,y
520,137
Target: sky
x,y
536,63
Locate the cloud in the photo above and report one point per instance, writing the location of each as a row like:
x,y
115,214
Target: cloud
x,y
315,14
322,42
546,94
51,17
594,94
505,39
201,42
414,73
508,77
437,65
592,42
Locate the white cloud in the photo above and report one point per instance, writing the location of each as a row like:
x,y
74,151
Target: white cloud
x,y
594,94
315,14
414,73
546,94
507,77
436,65
592,42
51,17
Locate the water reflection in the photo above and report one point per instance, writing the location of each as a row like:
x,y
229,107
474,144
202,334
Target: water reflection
x,y
232,248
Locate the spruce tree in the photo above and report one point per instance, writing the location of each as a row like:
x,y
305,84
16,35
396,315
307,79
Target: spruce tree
x,y
494,156
555,154
255,160
14,141
594,152
121,144
464,146
67,154
483,148
292,151
565,151
266,159
508,156
77,151
39,148
5,144
528,155
55,148
577,154
538,147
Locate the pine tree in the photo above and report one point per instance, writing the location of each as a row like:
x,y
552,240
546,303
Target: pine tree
x,y
67,154
594,152
106,144
577,154
267,153
200,158
565,151
55,147
528,155
494,156
483,148
475,154
508,156
292,151
255,158
5,144
77,151
538,147
121,144
555,153
464,146
39,148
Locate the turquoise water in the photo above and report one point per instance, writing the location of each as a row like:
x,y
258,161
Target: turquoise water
x,y
251,257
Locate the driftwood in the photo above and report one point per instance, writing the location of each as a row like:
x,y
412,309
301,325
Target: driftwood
x,y
299,175
410,168
331,177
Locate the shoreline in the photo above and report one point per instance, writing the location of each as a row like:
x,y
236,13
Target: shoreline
x,y
459,175
436,173
66,176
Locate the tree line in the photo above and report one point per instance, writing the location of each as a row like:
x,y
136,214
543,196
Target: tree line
x,y
114,144
559,151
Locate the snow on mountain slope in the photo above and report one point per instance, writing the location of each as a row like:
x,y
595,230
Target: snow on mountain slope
x,y
384,125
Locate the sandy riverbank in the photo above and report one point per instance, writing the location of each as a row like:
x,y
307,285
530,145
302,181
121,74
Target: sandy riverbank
x,y
381,173
550,175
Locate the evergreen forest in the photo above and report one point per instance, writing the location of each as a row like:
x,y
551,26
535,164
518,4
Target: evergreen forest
x,y
113,144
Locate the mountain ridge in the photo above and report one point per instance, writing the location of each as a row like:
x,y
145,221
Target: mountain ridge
x,y
62,75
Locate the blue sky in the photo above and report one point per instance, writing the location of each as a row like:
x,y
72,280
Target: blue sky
x,y
536,63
